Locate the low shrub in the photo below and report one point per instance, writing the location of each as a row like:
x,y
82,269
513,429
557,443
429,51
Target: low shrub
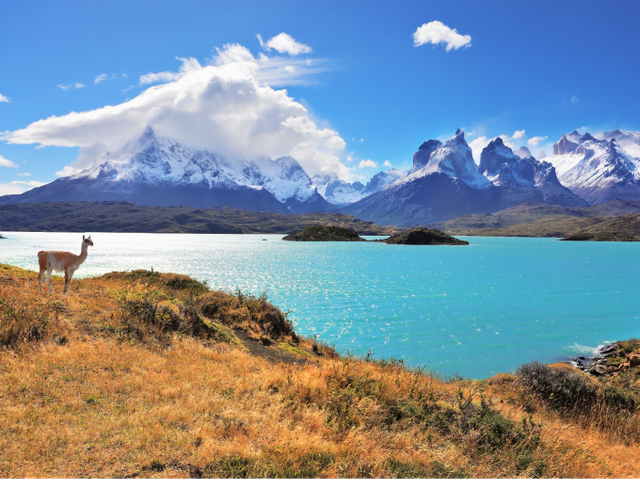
x,y
560,388
147,319
254,315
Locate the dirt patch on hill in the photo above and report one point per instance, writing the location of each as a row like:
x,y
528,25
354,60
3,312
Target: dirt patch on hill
x,y
273,353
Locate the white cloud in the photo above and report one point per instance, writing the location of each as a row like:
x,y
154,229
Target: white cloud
x,y
387,164
574,99
73,85
581,130
224,107
518,134
4,99
272,71
350,157
284,43
6,163
103,76
18,186
86,157
29,183
477,145
24,174
534,141
367,164
8,189
160,77
437,32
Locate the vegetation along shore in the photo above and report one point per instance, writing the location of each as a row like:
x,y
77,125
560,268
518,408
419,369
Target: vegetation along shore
x,y
131,218
616,220
141,374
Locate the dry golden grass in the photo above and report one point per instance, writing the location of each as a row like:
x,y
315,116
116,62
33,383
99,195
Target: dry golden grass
x,y
144,375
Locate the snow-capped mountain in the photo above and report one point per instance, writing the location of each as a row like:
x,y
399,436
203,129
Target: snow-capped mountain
x,y
523,152
155,170
629,141
521,178
452,158
339,192
443,183
336,190
598,169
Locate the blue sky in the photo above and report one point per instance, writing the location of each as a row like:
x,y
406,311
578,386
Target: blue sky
x,y
371,94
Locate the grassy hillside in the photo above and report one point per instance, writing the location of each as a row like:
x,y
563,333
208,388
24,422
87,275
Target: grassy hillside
x,y
140,374
539,220
129,217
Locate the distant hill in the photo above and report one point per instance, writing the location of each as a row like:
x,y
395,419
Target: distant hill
x,y
129,217
539,220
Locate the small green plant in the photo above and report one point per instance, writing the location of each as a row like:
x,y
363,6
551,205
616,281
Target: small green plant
x,y
629,346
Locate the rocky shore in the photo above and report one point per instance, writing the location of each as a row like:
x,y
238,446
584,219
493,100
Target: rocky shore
x,y
612,358
596,364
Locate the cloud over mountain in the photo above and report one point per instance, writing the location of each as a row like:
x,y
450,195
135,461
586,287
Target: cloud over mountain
x,y
227,107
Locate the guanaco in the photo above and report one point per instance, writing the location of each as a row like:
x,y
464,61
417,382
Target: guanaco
x,y
62,261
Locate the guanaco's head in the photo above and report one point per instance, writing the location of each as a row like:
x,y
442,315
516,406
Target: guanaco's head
x,y
87,241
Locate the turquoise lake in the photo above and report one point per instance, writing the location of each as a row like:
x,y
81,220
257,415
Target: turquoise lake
x,y
470,310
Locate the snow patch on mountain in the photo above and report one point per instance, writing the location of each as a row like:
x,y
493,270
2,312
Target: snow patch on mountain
x,y
452,158
339,192
157,160
598,170
629,141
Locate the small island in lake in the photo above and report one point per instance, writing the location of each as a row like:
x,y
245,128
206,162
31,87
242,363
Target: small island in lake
x,y
423,236
324,233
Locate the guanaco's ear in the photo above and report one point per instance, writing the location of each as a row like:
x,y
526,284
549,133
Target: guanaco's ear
x,y
83,238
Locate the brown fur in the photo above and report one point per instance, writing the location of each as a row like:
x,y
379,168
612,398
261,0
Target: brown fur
x,y
61,262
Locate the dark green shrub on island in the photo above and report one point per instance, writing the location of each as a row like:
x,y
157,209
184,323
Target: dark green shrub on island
x,y
322,233
424,236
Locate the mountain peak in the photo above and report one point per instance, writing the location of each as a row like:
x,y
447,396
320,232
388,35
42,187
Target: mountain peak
x,y
497,141
430,145
564,145
494,155
421,157
149,132
523,152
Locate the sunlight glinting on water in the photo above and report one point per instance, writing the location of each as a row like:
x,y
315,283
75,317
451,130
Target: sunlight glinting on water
x,y
474,310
